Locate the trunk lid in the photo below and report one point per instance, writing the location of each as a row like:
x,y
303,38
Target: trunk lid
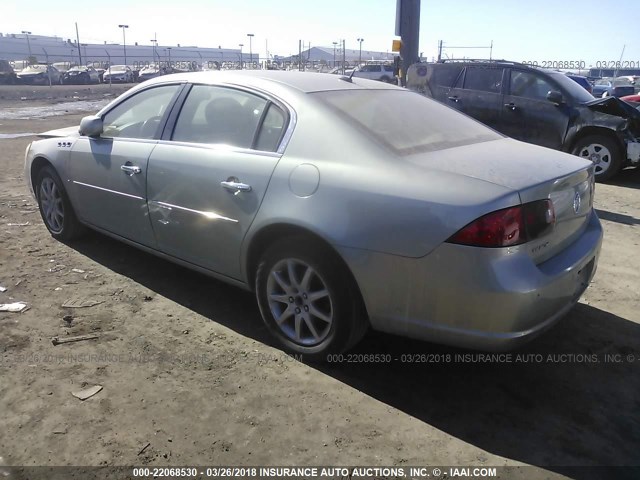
x,y
536,173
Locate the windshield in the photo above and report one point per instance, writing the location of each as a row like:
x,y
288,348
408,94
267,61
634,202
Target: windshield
x,y
406,122
575,91
117,68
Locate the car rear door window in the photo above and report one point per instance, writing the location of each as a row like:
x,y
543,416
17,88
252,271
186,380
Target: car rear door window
x,y
529,85
219,115
271,129
139,116
485,79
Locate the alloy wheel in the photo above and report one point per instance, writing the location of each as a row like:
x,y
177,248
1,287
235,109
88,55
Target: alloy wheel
x,y
599,155
52,204
300,302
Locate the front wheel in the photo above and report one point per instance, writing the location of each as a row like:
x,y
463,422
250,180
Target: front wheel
x,y
603,152
307,300
55,207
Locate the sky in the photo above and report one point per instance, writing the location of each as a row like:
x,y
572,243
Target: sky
x,y
539,31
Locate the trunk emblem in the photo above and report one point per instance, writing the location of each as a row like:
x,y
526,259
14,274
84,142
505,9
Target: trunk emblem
x,y
576,203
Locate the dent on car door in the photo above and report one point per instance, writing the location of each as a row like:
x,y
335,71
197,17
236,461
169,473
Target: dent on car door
x,y
108,173
478,93
529,116
207,178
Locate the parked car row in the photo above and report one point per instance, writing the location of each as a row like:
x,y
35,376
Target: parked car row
x,y
60,73
538,106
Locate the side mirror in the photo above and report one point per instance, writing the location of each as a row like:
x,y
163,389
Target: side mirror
x,y
91,126
555,97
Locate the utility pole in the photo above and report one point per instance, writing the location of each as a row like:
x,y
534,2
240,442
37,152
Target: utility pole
x,y
28,43
334,54
344,55
408,28
78,43
124,41
250,35
439,50
154,42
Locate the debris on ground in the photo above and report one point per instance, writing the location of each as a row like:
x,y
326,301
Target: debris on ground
x,y
13,307
3,289
87,392
24,224
79,338
144,448
79,303
77,270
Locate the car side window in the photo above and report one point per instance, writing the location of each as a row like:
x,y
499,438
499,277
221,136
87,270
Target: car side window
x,y
271,129
529,85
446,75
219,115
485,79
139,116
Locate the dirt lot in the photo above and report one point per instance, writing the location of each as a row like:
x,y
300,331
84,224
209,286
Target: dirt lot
x,y
188,370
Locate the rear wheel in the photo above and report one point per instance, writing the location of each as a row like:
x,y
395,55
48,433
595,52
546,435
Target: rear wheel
x,y
307,300
603,152
55,207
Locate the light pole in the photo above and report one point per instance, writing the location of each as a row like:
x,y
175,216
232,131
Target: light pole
x,y
28,42
169,48
360,40
241,64
124,41
154,43
250,35
334,54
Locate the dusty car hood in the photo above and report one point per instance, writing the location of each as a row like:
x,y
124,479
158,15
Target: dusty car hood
x,y
613,106
61,132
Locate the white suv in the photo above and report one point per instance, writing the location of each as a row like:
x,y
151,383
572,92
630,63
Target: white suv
x,y
375,71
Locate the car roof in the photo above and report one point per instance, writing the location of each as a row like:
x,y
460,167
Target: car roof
x,y
305,82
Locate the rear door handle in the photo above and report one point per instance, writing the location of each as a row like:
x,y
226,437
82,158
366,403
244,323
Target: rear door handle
x,y
511,106
235,186
130,169
454,99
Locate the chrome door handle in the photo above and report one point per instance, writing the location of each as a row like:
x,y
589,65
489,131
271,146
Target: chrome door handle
x,y
130,169
236,186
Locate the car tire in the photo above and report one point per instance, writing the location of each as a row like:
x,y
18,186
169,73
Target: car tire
x,y
606,149
308,299
55,207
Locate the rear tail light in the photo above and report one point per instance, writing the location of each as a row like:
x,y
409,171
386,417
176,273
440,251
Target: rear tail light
x,y
510,226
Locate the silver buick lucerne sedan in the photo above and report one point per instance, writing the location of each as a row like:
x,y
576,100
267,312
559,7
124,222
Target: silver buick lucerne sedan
x,y
343,203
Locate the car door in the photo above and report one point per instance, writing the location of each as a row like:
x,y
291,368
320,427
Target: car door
x,y
478,93
108,173
207,179
528,115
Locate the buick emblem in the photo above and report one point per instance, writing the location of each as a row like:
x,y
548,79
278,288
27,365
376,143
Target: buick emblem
x,y
576,203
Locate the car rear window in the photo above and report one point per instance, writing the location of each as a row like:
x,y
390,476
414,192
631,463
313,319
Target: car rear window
x,y
405,122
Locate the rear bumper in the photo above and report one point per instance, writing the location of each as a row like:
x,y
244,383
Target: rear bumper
x,y
485,299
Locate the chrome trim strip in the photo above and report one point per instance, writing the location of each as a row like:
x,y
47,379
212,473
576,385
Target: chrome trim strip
x,y
107,190
221,147
208,215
